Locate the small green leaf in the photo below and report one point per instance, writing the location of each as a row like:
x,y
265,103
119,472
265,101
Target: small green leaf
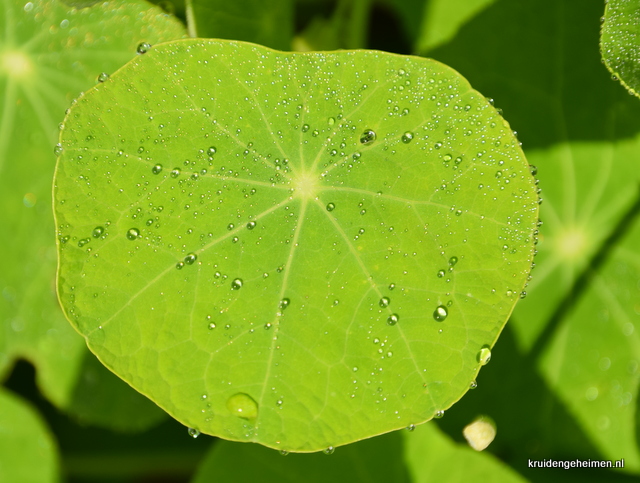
x,y
301,250
28,451
620,42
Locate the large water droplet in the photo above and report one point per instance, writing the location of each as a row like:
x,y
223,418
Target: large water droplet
x,y
251,225
368,136
103,77
211,151
453,261
438,414
331,207
194,433
57,149
190,258
143,48
133,233
384,302
393,319
284,303
328,450
484,356
440,314
156,169
243,406
407,137
236,284
98,231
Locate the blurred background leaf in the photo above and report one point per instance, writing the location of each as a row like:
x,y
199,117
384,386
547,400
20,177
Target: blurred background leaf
x,y
50,53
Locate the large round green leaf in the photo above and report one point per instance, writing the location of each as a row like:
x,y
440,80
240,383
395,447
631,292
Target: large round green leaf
x,y
300,250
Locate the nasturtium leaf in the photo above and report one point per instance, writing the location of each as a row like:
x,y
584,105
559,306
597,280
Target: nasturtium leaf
x,y
28,452
49,53
620,42
599,382
300,250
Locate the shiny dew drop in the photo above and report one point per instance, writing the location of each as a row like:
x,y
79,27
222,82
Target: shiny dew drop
x,y
133,233
484,356
440,314
236,284
143,48
243,406
368,136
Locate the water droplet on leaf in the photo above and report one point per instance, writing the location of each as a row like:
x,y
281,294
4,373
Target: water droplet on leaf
x,y
236,284
143,48
133,233
368,136
440,314
243,406
484,356
393,319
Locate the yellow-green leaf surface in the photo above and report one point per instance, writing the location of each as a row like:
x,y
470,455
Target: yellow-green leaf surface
x,y
28,453
620,42
49,53
301,250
